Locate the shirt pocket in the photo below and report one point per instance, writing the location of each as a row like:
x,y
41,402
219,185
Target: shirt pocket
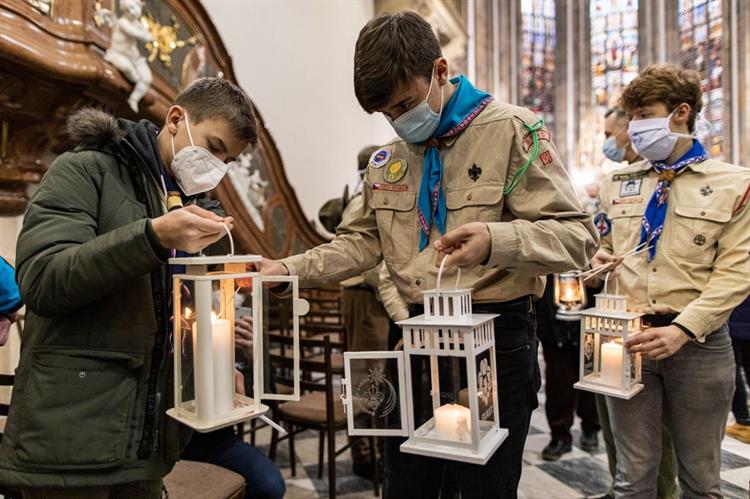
x,y
694,231
626,222
396,218
474,204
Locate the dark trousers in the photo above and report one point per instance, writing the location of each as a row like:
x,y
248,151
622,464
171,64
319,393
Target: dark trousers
x,y
418,477
563,401
742,362
223,448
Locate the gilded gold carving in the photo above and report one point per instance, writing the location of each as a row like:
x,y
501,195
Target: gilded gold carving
x,y
43,6
165,40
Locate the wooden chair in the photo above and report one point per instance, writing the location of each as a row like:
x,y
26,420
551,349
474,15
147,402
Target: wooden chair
x,y
194,480
6,380
319,409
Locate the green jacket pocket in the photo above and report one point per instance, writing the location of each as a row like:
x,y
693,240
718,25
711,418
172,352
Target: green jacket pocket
x,y
76,409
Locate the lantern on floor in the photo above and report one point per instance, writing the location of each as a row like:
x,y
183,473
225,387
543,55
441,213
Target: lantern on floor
x,y
570,295
606,367
204,344
451,350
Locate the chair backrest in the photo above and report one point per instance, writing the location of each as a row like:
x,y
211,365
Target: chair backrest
x,y
311,370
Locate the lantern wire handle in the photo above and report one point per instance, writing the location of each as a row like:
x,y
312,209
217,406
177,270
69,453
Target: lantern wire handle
x,y
440,273
231,240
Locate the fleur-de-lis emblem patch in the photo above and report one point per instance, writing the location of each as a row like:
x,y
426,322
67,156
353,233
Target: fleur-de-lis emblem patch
x,y
706,191
475,172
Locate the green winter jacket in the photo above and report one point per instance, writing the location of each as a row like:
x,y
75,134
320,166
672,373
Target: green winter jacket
x,y
94,378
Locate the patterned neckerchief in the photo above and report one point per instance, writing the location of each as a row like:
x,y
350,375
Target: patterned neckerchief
x,y
656,211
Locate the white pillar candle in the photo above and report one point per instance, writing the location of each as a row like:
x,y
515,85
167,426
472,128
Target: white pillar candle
x,y
221,389
223,367
453,422
612,363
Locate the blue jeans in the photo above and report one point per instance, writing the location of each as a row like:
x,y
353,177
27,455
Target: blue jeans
x,y
694,387
418,477
223,448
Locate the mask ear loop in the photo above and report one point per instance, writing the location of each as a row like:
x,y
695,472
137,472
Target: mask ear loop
x,y
190,135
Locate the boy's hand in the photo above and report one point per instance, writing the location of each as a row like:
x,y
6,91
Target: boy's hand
x,y
190,229
658,343
468,245
239,383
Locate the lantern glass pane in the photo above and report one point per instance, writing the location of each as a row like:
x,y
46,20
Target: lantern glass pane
x,y
588,354
278,337
374,385
206,343
486,392
440,398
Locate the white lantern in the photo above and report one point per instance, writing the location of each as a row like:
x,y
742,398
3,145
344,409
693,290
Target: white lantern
x,y
570,295
606,367
458,349
204,345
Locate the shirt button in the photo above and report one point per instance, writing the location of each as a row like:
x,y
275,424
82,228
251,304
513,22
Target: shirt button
x,y
469,197
703,213
385,201
654,269
622,212
419,282
653,301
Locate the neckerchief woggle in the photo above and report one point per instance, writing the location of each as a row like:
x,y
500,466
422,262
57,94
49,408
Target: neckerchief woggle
x,y
464,105
656,211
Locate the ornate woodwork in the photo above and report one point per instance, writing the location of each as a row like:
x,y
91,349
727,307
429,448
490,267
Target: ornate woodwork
x,y
51,63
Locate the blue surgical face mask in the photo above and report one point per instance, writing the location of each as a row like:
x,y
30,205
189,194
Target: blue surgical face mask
x,y
418,124
612,151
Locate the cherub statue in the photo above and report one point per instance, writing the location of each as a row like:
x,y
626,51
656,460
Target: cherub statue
x,y
123,52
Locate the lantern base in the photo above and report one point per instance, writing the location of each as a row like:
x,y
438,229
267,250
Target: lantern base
x,y
568,315
247,410
590,386
487,447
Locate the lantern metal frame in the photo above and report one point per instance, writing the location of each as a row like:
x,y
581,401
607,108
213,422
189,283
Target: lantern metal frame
x,y
198,413
609,318
447,329
569,311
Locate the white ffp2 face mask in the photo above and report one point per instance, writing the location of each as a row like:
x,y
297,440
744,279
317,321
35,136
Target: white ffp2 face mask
x,y
195,169
653,139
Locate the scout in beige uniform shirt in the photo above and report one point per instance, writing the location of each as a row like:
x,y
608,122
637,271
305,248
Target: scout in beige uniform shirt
x,y
536,229
701,270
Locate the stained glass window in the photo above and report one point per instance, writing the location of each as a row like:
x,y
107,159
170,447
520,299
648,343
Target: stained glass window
x,y
538,58
614,64
700,24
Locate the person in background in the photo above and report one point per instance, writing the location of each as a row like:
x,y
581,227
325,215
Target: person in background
x,y
739,329
560,345
10,299
689,215
617,148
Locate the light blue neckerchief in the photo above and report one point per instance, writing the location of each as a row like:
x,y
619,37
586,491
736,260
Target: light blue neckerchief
x,y
464,105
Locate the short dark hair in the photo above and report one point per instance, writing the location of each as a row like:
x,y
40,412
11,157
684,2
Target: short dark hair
x,y
207,98
666,84
392,49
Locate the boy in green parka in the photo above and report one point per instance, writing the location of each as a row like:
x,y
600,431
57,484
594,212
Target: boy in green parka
x,y
87,417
